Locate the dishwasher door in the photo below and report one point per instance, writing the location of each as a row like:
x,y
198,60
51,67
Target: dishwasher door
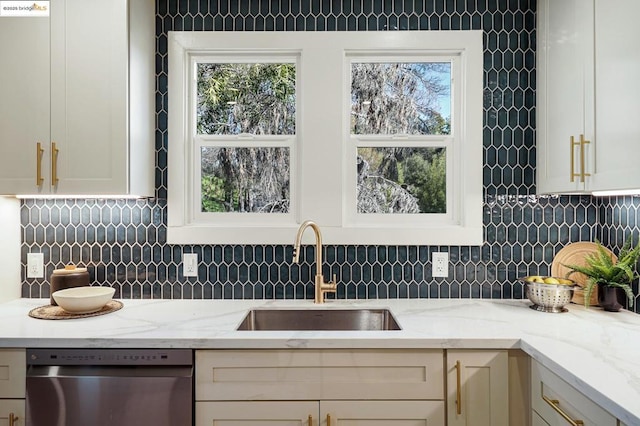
x,y
101,395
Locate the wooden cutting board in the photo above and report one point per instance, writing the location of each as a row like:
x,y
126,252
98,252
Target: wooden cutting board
x,y
574,254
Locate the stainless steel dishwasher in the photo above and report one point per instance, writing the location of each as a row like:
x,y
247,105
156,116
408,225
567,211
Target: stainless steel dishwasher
x,y
96,387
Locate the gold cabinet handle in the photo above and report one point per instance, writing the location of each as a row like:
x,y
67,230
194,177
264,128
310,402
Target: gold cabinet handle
x,y
555,404
310,421
328,419
572,173
583,142
458,390
12,419
39,152
54,164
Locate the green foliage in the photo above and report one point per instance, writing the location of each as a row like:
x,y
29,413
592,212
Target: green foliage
x,y
238,98
427,180
244,179
602,270
212,194
408,180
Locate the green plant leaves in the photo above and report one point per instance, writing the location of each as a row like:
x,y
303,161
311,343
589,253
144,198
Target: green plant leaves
x,y
601,269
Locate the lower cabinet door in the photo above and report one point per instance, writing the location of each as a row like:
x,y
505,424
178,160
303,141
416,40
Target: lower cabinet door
x,y
478,388
257,413
381,413
13,365
12,412
324,413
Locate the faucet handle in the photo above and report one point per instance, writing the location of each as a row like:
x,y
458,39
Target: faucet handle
x,y
332,286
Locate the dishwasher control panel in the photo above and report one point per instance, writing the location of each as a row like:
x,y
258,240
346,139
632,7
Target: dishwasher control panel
x,y
136,357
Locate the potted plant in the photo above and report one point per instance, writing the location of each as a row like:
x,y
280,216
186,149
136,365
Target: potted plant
x,y
610,276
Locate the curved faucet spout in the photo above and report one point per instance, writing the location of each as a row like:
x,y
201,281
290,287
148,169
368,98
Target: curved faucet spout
x,y
296,247
322,287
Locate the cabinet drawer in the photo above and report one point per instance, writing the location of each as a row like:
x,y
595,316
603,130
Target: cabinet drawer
x,y
319,374
536,420
12,408
256,413
13,367
382,413
552,397
316,413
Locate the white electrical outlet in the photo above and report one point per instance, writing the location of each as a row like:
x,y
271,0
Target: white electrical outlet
x,y
440,264
35,265
190,264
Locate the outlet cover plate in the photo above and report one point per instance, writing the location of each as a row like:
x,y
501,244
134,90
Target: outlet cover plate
x,y
190,264
35,265
440,264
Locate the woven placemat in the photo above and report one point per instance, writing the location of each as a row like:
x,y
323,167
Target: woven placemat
x,y
51,312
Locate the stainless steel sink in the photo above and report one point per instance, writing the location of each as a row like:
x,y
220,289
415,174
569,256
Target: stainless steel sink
x,y
319,319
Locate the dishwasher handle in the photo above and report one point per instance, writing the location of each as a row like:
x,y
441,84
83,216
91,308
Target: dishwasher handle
x,y
84,371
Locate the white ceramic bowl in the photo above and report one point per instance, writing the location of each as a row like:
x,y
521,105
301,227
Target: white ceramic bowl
x,y
83,300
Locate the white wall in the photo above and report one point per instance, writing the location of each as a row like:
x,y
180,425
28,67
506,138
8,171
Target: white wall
x,y
9,249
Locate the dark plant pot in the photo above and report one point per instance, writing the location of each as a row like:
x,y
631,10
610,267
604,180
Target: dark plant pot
x,y
609,298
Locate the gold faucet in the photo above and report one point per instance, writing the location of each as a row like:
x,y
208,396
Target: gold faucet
x,y
321,286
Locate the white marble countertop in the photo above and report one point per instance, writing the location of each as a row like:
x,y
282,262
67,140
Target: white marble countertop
x,y
595,351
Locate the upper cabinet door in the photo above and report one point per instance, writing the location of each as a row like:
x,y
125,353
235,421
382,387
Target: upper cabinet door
x,y
565,94
617,71
587,74
80,83
89,63
24,104
102,117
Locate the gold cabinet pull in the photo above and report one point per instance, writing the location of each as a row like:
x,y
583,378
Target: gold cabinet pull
x,y
572,172
39,152
583,142
310,421
328,419
54,164
555,404
12,419
458,390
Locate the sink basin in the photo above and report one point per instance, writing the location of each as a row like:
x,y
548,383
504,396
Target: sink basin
x,y
319,319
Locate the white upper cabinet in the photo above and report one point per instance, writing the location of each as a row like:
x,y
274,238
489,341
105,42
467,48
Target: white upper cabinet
x,y
587,86
617,71
24,102
565,93
92,62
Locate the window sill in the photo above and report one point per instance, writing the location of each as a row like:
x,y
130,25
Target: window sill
x,y
444,235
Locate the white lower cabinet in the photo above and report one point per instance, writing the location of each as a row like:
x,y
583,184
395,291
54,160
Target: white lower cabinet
x,y
12,412
556,403
536,420
381,413
477,388
12,386
320,387
320,413
256,413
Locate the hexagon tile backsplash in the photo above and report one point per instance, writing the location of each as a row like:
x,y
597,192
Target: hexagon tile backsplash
x,y
123,241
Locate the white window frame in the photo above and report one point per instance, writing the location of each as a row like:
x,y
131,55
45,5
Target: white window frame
x,y
290,142
322,157
449,142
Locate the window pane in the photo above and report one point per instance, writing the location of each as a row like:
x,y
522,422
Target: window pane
x,y
401,180
401,98
246,98
253,180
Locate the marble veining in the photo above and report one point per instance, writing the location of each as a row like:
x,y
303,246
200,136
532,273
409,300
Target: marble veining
x,y
596,352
